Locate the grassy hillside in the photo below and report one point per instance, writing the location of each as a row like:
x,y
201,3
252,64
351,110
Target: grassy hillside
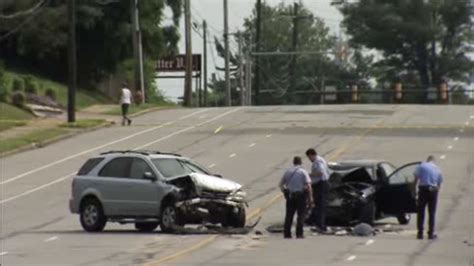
x,y
83,98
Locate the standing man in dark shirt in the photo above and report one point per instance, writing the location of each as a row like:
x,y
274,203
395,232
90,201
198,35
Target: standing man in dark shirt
x,y
429,179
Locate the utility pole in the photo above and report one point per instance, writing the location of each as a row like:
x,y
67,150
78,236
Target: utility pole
x,y
138,50
71,93
204,28
257,49
292,65
228,96
188,83
241,70
248,75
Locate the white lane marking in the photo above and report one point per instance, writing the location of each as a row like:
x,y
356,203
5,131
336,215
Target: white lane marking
x,y
456,139
202,116
72,174
252,144
217,130
351,258
3,253
369,242
211,165
51,239
187,129
232,155
91,150
36,189
193,114
267,136
442,157
450,147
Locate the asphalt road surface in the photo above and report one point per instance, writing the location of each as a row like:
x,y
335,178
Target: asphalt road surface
x,y
251,145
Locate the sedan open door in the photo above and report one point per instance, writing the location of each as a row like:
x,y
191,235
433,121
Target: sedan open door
x,y
398,195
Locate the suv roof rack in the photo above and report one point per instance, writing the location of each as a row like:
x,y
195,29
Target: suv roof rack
x,y
143,152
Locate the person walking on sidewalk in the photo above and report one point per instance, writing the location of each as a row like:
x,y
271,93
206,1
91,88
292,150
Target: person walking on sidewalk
x,y
125,101
429,179
296,186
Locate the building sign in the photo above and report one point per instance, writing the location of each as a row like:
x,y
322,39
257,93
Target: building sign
x,y
177,63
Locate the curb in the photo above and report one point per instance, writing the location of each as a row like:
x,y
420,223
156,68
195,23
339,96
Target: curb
x,y
150,110
47,142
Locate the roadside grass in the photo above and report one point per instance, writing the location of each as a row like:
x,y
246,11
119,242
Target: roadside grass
x,y
37,137
7,124
10,112
83,98
134,108
84,123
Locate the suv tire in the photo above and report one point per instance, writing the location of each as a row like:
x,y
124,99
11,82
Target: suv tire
x,y
236,220
92,216
170,218
146,227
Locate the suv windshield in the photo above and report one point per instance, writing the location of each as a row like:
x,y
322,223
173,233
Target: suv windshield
x,y
170,167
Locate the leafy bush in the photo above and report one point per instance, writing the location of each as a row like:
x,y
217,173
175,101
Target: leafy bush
x,y
18,99
18,85
30,85
3,84
50,93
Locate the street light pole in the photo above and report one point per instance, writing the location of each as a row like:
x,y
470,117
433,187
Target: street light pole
x,y
228,95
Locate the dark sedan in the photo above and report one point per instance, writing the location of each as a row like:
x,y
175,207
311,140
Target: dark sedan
x,y
368,190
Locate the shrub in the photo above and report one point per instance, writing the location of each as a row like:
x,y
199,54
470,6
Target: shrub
x,y
18,85
50,93
30,85
3,84
18,99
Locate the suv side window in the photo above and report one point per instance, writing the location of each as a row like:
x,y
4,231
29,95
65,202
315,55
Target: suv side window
x,y
138,168
170,167
89,165
118,167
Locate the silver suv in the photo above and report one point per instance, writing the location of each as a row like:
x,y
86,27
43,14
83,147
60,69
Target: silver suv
x,y
151,188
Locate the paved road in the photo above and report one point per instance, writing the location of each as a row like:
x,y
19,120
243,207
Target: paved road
x,y
251,145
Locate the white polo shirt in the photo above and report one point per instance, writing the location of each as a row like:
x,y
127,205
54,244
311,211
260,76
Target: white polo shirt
x,y
295,179
320,165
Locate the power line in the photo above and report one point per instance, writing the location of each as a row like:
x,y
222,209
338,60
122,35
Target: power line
x,y
24,12
23,23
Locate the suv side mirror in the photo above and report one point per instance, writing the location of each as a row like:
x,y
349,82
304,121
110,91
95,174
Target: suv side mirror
x,y
149,176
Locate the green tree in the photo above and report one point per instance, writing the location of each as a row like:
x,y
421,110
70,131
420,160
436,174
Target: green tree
x,y
104,33
429,37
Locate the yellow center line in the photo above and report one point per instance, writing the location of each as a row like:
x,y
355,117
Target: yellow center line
x,y
257,211
218,129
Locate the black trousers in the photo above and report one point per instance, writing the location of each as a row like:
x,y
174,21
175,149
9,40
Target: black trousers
x,y
320,196
427,197
295,202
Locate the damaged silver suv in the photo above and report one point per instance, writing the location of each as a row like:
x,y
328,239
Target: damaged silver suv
x,y
150,188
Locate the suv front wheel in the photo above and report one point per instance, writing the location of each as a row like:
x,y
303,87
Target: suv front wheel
x,y
92,216
170,218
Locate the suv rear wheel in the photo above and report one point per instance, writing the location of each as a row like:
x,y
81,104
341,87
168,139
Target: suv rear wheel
x,y
92,216
146,227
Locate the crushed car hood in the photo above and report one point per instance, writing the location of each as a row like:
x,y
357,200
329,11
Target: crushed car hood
x,y
217,184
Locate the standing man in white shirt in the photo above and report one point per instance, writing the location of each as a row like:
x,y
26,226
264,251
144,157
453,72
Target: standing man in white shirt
x,y
125,101
320,183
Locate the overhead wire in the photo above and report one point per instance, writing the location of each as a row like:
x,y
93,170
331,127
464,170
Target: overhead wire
x,y
24,12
